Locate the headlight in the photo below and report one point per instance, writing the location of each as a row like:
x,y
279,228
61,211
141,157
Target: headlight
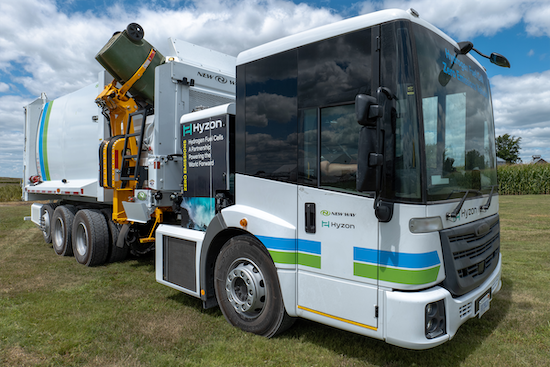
x,y
435,319
425,225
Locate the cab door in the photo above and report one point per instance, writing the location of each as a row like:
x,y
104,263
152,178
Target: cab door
x,y
337,232
337,229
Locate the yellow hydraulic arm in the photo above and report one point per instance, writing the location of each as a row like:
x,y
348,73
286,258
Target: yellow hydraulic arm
x,y
119,106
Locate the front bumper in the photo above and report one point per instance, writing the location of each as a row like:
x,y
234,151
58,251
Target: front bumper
x,y
405,312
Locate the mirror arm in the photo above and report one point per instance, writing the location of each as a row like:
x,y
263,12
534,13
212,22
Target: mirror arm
x,y
481,54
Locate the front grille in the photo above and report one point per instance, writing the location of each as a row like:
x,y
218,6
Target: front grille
x,y
479,268
473,252
469,257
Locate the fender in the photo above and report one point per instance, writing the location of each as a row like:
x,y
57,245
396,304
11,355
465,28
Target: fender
x,y
259,224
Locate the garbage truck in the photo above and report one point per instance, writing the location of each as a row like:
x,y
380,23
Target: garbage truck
x,y
345,175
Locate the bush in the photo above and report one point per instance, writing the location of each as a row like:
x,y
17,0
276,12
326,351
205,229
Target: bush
x,y
524,179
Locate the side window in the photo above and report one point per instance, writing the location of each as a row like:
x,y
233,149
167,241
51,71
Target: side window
x,y
271,117
308,160
339,140
335,70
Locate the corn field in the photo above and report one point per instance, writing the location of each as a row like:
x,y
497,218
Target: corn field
x,y
524,179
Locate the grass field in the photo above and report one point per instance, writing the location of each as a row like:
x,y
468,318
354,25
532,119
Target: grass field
x,y
10,189
55,312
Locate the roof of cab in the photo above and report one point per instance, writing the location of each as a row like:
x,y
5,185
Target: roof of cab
x,y
331,30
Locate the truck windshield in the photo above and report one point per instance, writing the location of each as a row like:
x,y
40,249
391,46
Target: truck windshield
x,y
458,120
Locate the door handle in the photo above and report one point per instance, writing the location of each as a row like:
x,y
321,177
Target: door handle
x,y
310,217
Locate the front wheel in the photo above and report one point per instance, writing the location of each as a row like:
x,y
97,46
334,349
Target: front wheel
x,y
247,288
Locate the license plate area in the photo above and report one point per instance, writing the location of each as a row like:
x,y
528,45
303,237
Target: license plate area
x,y
483,303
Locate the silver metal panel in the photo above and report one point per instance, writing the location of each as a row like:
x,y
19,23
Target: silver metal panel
x,y
171,101
136,212
203,57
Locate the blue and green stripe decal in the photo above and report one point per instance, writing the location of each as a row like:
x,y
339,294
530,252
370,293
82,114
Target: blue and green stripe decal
x,y
43,141
396,267
292,251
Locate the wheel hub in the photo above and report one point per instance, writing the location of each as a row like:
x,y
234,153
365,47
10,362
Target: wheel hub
x,y
58,233
46,222
245,288
81,240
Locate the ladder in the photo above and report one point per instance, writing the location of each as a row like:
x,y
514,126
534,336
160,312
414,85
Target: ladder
x,y
131,169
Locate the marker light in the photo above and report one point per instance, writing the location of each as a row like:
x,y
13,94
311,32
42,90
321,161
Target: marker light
x,y
243,223
425,225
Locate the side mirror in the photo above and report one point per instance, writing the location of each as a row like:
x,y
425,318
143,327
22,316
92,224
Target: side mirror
x,y
367,110
499,60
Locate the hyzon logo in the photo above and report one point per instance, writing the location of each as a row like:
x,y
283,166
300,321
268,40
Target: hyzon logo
x,y
201,127
335,225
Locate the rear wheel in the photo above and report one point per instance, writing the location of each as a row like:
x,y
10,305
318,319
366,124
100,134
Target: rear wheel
x,y
115,253
46,214
247,288
61,228
90,237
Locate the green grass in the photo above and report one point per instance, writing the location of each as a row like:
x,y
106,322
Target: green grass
x,y
55,312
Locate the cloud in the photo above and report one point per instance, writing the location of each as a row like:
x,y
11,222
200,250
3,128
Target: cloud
x,y
522,108
537,19
466,19
52,50
12,117
11,154
280,109
12,114
523,101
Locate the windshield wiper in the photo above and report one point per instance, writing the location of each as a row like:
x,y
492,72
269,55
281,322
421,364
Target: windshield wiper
x,y
486,206
454,213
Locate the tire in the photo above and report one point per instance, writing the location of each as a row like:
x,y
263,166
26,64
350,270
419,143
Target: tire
x,y
115,253
61,230
247,288
90,237
46,214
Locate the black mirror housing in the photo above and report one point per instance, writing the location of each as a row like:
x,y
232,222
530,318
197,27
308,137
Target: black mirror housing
x,y
499,60
367,110
366,170
464,47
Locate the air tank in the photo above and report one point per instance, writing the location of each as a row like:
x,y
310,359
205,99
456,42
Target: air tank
x,y
124,54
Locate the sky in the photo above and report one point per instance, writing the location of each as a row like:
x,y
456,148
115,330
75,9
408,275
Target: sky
x,y
48,46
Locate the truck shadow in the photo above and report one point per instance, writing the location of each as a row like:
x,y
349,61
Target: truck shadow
x,y
470,336
146,261
468,339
